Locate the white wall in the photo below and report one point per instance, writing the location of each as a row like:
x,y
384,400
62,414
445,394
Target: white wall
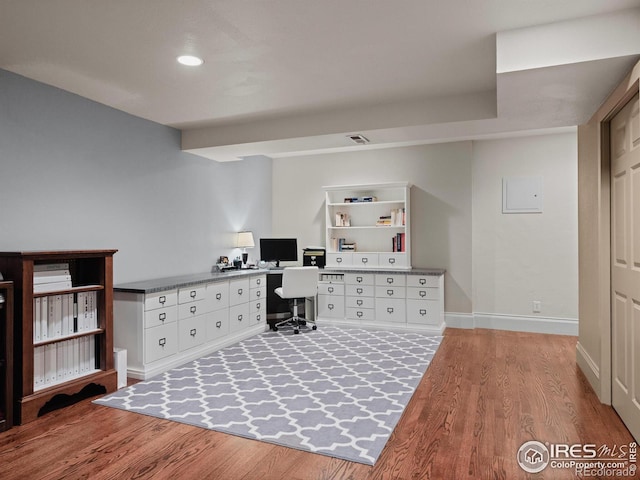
x,y
496,264
440,202
519,258
75,174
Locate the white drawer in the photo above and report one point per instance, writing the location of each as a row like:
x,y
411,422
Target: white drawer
x,y
424,293
160,342
256,318
390,310
239,317
423,312
390,292
191,294
218,295
361,302
192,332
392,260
339,259
331,306
257,293
365,260
217,324
160,316
360,313
160,299
190,310
359,278
391,280
360,290
238,291
257,282
258,306
331,289
423,280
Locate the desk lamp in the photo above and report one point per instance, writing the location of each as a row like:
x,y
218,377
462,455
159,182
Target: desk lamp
x,y
245,240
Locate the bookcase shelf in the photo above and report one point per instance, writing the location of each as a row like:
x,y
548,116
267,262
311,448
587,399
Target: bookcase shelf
x,y
368,225
76,358
6,356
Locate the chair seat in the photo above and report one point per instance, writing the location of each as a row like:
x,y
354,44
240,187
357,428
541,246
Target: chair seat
x,y
279,292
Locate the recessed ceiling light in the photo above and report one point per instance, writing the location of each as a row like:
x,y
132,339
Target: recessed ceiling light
x,y
190,60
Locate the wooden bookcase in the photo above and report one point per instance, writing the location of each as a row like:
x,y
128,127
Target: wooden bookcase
x,y
91,271
6,356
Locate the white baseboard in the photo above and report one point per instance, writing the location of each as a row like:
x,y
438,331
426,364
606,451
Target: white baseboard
x,y
516,323
588,367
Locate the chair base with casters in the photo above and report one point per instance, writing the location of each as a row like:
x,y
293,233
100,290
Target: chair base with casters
x,y
297,283
296,320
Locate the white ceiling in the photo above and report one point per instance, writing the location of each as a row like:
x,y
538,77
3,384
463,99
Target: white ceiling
x,y
283,77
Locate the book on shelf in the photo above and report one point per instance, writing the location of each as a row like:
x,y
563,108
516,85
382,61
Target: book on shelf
x,y
342,220
57,316
398,243
62,361
49,277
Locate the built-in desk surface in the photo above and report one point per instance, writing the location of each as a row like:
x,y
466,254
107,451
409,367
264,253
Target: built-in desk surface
x,y
181,281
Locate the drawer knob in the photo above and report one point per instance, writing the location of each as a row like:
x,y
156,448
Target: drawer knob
x,y
218,296
359,291
192,332
258,281
330,289
423,281
258,305
239,291
365,259
192,309
258,293
330,306
389,280
389,309
359,313
423,293
240,317
339,260
162,342
162,317
218,324
359,302
258,317
162,299
192,294
423,312
392,260
390,292
359,279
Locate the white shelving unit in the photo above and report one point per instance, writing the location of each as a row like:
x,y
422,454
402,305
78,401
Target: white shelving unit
x,y
356,222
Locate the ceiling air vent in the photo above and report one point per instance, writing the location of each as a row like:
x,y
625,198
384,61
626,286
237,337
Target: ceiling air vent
x,y
359,139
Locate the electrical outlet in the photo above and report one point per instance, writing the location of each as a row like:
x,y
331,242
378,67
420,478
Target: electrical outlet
x,y
536,306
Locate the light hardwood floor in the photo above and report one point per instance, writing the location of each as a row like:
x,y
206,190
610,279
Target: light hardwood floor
x,y
485,393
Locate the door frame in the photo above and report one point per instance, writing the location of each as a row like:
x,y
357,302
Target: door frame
x,y
593,355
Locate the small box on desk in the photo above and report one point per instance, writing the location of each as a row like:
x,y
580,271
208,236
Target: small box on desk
x,y
313,257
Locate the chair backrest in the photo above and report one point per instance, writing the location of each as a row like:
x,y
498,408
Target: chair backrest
x,y
299,282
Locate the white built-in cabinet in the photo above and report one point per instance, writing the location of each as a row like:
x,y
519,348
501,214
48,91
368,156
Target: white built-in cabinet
x,y
411,300
162,328
368,226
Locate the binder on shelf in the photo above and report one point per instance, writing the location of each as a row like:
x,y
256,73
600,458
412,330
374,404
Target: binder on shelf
x,y
51,287
45,267
37,302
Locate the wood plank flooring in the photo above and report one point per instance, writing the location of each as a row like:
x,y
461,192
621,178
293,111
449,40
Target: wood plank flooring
x,y
485,393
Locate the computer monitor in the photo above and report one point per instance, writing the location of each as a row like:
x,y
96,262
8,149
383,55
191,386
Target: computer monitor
x,y
278,249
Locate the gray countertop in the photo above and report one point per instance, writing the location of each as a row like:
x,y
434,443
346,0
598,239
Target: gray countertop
x,y
168,283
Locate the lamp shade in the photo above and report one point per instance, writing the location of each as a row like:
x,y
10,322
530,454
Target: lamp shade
x,y
245,240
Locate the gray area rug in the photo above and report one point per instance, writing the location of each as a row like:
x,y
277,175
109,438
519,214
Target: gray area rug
x,y
332,391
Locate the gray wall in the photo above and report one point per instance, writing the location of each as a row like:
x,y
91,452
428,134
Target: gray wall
x,y
75,174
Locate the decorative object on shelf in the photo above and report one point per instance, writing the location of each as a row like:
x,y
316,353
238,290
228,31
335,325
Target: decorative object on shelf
x,y
245,240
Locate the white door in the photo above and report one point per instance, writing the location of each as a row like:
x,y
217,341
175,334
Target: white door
x,y
625,265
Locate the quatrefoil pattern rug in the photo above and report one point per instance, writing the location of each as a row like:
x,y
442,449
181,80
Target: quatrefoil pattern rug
x,y
332,391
